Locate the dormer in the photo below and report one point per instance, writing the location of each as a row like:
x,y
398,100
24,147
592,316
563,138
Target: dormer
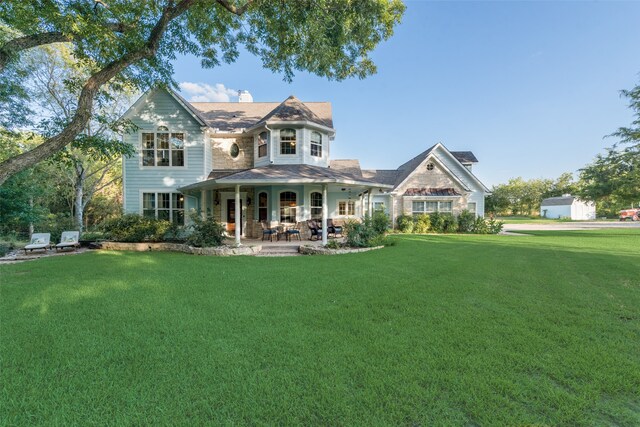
x,y
292,134
466,158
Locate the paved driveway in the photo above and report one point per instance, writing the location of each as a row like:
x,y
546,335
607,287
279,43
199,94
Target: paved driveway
x,y
586,225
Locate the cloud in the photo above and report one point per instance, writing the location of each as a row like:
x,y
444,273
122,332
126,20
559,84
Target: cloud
x,y
202,92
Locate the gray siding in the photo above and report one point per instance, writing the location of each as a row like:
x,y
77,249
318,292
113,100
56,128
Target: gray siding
x,y
161,109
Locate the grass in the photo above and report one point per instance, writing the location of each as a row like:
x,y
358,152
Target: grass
x,y
539,220
436,330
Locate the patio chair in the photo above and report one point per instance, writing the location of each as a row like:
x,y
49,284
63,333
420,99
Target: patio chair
x,y
69,239
314,229
38,241
267,231
333,229
293,231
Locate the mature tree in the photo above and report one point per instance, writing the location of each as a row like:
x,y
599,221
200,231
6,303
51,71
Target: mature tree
x,y
134,42
90,163
613,179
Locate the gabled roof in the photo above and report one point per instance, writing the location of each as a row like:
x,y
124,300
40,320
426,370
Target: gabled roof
x,y
558,201
293,110
351,166
397,177
180,100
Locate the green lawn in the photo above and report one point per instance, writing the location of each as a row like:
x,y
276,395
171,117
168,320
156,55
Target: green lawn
x,y
436,330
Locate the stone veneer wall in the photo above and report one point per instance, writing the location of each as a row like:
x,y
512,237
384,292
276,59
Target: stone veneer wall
x,y
222,159
423,178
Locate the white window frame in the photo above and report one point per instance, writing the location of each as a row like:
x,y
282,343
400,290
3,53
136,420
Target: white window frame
x,y
348,204
295,140
312,206
155,133
428,210
296,207
316,144
171,208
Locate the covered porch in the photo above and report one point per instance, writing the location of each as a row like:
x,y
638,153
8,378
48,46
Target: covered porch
x,y
242,204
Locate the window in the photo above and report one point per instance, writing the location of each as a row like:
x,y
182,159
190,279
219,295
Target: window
x,y
316,205
262,144
167,206
288,141
422,206
378,206
288,207
162,148
471,207
263,207
316,144
234,150
346,208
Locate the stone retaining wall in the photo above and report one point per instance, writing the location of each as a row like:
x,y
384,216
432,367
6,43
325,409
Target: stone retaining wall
x,y
178,247
320,250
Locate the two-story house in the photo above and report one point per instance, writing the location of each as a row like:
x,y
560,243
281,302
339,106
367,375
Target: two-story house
x,y
243,163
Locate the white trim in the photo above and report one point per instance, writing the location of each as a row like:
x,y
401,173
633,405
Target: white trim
x,y
297,193
225,196
347,201
171,208
431,157
466,171
155,133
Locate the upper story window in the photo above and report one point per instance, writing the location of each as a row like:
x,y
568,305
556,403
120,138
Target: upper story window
x,y
162,148
316,144
288,141
262,144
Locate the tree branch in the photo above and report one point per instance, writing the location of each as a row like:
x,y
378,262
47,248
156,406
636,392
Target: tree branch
x,y
11,48
234,9
82,115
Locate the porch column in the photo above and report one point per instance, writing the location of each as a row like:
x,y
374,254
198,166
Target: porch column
x,y
203,204
370,202
238,214
325,214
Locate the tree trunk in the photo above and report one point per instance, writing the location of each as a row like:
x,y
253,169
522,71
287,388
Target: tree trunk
x,y
79,196
31,214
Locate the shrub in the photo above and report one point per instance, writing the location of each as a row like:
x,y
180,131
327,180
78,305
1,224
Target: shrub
x,y
380,222
480,226
495,226
437,222
135,228
92,236
333,244
363,234
405,224
466,221
422,224
449,223
205,232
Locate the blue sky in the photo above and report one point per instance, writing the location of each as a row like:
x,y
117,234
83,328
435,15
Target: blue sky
x,y
530,87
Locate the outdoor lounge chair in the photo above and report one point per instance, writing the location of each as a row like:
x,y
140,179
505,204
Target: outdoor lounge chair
x,y
314,229
69,239
267,231
38,241
333,229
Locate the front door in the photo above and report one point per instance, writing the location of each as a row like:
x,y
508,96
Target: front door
x,y
231,216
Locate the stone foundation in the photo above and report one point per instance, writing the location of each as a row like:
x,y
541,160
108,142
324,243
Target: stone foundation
x,y
178,247
320,250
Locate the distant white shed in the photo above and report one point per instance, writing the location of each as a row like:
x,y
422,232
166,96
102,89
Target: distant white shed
x,y
567,206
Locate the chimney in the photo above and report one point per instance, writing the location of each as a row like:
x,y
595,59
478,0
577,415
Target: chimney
x,y
244,96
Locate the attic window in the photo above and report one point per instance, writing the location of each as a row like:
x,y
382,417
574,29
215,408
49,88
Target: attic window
x,y
234,150
429,166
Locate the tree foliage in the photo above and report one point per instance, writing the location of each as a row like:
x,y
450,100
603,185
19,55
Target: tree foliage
x,y
613,179
133,42
523,197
